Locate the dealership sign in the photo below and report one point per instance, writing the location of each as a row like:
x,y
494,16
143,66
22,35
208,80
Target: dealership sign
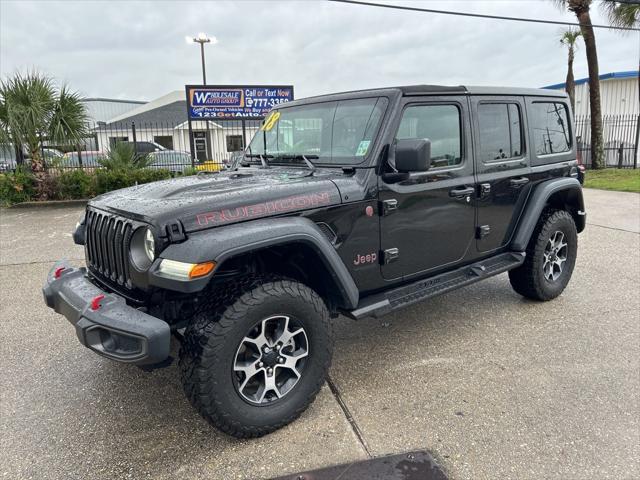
x,y
235,102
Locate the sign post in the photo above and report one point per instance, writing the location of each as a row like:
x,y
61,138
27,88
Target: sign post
x,y
232,102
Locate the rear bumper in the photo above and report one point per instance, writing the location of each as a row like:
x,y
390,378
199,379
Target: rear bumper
x,y
109,326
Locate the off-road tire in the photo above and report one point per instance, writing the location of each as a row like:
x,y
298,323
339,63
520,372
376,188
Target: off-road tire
x,y
211,341
528,279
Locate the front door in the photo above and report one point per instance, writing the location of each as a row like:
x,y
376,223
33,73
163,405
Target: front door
x,y
200,145
427,221
502,167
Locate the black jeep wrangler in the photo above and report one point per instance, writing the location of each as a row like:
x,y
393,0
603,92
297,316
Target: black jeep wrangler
x,y
357,203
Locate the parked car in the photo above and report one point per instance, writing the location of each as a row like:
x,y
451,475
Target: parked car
x,y
147,147
7,158
171,160
394,196
87,158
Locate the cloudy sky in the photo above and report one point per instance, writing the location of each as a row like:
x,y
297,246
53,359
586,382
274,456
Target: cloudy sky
x,y
136,50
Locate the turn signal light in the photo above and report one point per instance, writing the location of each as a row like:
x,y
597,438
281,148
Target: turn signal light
x,y
201,269
184,271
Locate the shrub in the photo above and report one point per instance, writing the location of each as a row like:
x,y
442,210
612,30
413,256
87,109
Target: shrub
x,y
108,180
146,176
16,187
75,184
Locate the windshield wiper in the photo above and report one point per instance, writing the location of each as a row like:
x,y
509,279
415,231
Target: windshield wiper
x,y
263,158
305,158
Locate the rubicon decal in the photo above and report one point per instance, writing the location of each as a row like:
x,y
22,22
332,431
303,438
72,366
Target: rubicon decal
x,y
283,205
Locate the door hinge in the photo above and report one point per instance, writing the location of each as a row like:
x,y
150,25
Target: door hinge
x,y
390,255
388,206
482,231
485,189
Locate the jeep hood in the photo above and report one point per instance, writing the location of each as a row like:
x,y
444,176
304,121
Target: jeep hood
x,y
208,200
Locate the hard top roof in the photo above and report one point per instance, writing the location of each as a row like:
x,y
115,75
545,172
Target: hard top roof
x,y
411,90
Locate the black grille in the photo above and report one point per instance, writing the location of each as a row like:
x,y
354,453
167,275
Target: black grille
x,y
107,239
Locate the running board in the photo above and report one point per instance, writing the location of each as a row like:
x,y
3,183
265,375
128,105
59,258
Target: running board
x,y
383,303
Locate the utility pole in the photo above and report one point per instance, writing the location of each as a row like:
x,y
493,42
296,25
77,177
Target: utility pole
x,y
202,38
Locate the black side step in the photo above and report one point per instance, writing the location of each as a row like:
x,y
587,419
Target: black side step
x,y
383,303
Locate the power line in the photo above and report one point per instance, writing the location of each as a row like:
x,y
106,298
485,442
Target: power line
x,y
478,15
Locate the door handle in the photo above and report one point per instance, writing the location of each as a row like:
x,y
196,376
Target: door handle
x,y
518,182
462,192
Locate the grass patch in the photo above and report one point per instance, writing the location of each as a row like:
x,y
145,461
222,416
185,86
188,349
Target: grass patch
x,y
622,180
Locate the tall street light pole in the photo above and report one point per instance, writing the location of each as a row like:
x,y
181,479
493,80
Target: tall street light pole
x,y
202,39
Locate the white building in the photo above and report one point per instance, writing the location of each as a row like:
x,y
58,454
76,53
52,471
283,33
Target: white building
x,y
620,103
164,121
618,94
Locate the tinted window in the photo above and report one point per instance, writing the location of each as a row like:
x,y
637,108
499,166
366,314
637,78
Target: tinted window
x,y
499,129
517,148
441,125
550,125
165,140
145,147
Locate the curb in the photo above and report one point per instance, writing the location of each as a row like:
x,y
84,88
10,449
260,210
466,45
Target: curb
x,y
50,204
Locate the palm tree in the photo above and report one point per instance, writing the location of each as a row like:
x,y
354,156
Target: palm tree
x,y
622,14
581,10
625,15
122,156
33,109
569,38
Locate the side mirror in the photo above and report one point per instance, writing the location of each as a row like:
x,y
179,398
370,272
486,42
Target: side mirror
x,y
413,155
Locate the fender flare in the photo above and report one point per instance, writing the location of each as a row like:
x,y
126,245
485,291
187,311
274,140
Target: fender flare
x,y
221,243
538,199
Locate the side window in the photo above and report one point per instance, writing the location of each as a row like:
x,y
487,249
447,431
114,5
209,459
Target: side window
x,y
550,126
500,131
441,125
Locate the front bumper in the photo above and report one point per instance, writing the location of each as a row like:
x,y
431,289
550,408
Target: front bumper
x,y
106,325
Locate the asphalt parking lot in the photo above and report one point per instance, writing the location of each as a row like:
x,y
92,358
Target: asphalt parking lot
x,y
492,385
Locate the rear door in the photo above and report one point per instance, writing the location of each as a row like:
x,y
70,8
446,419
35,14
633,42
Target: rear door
x,y
502,168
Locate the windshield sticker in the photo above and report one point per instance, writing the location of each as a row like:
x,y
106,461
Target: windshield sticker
x,y
270,121
362,148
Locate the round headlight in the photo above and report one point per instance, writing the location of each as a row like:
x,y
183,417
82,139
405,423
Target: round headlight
x,y
143,249
149,245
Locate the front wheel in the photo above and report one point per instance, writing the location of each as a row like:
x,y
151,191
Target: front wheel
x,y
551,256
255,364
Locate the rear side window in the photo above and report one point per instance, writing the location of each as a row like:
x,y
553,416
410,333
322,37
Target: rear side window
x,y
550,126
441,125
500,131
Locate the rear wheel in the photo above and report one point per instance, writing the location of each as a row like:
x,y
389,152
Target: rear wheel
x,y
255,364
551,256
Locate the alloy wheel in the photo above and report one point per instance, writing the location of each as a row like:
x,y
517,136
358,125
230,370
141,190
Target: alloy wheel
x,y
555,256
270,360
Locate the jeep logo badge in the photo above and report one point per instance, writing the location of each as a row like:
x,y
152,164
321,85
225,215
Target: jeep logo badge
x,y
363,259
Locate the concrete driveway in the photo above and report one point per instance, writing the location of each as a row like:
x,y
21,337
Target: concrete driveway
x,y
494,386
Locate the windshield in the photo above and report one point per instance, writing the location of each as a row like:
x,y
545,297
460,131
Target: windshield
x,y
329,133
